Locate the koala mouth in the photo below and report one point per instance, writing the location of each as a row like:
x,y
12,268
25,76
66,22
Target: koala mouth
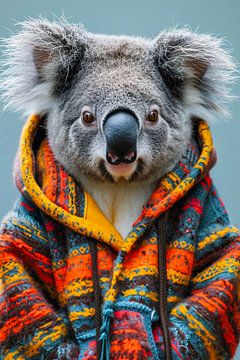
x,y
121,170
129,172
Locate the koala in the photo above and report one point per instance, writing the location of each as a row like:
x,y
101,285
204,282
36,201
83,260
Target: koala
x,y
120,110
119,245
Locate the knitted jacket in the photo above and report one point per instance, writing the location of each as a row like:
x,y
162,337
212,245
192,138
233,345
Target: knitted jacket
x,y
56,244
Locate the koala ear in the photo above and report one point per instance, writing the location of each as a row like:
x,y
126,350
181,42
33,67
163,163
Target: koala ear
x,y
40,62
196,69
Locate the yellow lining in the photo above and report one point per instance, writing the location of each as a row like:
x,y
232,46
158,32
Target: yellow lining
x,y
95,215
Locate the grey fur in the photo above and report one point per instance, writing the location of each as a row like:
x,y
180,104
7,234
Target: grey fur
x,y
58,69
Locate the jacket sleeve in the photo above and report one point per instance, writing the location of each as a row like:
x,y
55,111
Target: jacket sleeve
x,y
206,324
32,325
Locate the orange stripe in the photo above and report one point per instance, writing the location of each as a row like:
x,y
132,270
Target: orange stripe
x,y
221,285
228,333
16,324
210,305
177,259
180,260
28,251
8,306
81,266
30,258
129,345
63,195
45,155
145,256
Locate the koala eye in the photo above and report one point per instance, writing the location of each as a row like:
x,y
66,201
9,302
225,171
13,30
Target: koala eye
x,y
153,116
88,117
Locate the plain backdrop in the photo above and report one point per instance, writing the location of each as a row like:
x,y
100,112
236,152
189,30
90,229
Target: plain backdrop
x,y
135,17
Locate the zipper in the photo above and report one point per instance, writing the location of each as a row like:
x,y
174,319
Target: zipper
x,y
97,295
162,283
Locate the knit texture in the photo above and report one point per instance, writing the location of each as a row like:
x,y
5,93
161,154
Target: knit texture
x,y
47,296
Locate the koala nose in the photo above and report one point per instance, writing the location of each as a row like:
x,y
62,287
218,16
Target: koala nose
x,y
121,129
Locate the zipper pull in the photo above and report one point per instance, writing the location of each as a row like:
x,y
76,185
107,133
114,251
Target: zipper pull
x,y
152,314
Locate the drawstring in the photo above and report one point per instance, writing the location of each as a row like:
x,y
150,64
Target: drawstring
x,y
105,338
97,295
162,283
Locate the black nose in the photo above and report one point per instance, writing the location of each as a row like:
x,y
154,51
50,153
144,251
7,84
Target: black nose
x,y
121,130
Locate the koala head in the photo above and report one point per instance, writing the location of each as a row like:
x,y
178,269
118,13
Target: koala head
x,y
116,107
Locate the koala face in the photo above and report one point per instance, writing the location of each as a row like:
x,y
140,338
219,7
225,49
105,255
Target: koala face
x,y
116,106
118,76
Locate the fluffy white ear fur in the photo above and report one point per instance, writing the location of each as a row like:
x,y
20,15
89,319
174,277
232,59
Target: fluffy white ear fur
x,y
201,65
32,59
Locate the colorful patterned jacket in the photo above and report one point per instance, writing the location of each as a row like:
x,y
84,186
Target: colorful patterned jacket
x,y
62,261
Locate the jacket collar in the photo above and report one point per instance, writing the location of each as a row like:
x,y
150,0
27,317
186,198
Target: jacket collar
x,y
56,193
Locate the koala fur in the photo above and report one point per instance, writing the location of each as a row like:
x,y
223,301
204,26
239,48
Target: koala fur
x,y
58,69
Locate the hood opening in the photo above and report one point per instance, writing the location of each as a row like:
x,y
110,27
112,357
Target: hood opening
x,y
93,223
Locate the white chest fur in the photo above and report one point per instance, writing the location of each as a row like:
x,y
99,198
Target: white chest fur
x,y
120,202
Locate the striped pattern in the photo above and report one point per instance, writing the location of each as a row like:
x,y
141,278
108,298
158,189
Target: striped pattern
x,y
47,300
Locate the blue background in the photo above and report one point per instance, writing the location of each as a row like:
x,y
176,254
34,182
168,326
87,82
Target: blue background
x,y
136,17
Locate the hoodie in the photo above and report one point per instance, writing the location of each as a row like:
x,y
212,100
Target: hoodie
x,y
73,288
